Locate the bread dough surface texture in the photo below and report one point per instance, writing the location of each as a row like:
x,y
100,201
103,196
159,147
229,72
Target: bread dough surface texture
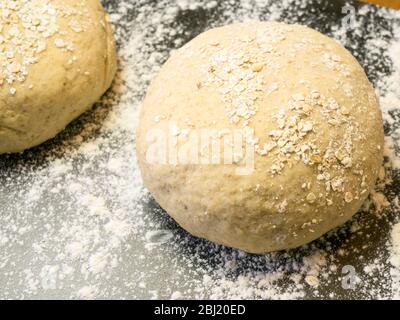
x,y
305,106
56,59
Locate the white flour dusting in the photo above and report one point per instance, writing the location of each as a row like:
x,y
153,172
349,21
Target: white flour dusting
x,y
76,222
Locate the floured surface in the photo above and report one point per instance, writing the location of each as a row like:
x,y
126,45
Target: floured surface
x,y
75,221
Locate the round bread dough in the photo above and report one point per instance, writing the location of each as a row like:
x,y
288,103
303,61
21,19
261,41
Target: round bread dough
x,y
307,115
56,59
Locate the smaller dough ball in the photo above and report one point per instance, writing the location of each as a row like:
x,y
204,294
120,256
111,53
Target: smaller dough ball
x,y
298,98
56,59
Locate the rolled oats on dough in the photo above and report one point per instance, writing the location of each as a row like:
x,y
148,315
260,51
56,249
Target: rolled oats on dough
x,y
309,112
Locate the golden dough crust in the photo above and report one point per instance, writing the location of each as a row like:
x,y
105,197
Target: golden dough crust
x,y
56,59
307,108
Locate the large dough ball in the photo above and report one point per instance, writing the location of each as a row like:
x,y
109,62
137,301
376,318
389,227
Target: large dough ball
x,y
56,59
298,98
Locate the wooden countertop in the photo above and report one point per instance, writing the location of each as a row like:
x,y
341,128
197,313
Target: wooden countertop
x,y
385,3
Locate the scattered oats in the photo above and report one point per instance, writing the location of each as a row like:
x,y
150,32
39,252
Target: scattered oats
x,y
258,67
311,197
348,197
